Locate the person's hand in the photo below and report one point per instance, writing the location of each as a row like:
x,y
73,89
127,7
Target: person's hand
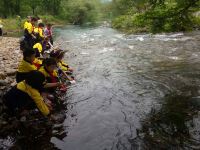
x,y
58,84
52,117
70,69
72,82
49,104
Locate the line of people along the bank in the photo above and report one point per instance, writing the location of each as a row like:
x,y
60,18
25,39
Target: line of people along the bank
x,y
40,73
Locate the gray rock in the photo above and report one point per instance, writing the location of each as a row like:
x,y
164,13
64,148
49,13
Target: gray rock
x,y
3,83
10,72
2,87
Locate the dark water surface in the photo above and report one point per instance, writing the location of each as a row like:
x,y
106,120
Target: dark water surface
x,y
132,91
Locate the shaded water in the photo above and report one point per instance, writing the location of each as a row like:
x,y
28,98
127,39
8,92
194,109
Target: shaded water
x,y
132,91
120,79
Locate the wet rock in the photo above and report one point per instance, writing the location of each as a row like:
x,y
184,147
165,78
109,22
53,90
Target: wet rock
x,y
58,117
3,83
2,75
13,83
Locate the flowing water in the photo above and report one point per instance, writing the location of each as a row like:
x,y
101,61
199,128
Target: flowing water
x,y
132,91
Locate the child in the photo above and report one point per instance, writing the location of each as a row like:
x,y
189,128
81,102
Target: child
x,y
26,95
28,64
39,33
58,55
49,71
28,32
64,69
27,22
38,47
48,33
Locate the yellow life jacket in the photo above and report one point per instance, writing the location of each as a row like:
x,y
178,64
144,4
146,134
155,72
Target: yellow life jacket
x,y
25,67
39,31
38,46
35,95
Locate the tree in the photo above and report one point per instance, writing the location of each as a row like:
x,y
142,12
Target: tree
x,y
34,4
155,15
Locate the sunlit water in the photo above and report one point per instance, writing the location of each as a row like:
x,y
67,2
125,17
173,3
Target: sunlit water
x,y
120,79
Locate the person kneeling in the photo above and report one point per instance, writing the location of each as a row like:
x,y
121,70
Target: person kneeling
x,y
26,95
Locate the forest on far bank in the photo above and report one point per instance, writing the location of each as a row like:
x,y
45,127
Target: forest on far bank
x,y
126,15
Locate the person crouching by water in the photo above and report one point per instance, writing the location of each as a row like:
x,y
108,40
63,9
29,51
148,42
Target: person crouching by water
x,y
26,95
49,71
29,63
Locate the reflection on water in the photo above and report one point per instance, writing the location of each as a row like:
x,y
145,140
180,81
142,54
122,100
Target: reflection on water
x,y
172,125
132,91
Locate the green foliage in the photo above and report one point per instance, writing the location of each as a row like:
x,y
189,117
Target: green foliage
x,y
82,11
74,11
130,23
157,15
23,8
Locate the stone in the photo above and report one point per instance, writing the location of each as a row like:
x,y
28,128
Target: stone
x,y
2,75
14,83
14,66
10,72
2,87
3,83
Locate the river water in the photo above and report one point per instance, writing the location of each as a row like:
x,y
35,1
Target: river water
x,y
132,91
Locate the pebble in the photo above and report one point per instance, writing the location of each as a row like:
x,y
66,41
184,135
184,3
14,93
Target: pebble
x,y
3,82
10,55
10,72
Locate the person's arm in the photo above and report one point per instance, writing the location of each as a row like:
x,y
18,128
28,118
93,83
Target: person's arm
x,y
68,77
38,99
52,85
41,33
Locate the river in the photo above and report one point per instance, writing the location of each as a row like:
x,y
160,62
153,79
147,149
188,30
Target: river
x,y
132,91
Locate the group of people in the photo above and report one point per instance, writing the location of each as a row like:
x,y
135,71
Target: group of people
x,y
39,75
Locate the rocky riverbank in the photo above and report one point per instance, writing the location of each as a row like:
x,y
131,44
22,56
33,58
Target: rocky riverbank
x,y
10,55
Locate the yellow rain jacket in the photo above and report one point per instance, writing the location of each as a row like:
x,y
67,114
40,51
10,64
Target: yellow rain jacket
x,y
29,27
26,25
38,46
35,95
39,31
25,67
63,66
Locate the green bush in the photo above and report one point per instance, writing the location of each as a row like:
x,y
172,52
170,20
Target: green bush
x,y
129,23
169,16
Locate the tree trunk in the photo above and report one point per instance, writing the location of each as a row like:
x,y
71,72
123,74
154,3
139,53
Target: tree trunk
x,y
33,10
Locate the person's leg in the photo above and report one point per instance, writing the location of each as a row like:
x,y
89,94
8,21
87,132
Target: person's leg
x,y
51,40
